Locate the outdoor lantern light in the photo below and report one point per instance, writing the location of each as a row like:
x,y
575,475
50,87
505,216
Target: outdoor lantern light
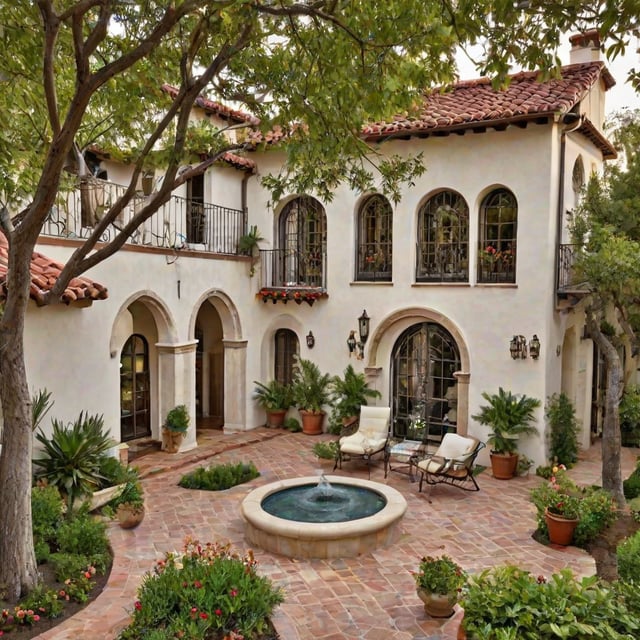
x,y
363,327
534,347
351,342
310,340
518,347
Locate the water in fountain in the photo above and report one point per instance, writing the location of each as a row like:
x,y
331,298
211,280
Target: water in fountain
x,y
323,502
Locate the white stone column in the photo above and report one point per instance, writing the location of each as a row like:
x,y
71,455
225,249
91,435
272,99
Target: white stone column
x,y
177,384
235,385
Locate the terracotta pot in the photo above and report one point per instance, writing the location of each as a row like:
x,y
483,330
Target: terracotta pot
x,y
171,440
503,465
438,605
560,529
128,516
312,422
275,419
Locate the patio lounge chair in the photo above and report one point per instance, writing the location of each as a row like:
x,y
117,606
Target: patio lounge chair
x,y
452,463
370,438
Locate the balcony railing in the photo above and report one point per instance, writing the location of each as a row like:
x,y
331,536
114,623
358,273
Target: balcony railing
x,y
180,223
567,280
293,269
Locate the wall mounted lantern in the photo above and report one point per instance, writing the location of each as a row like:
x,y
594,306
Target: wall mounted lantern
x,y
363,330
352,342
534,347
519,349
311,340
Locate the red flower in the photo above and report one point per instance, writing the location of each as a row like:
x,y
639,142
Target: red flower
x,y
197,584
218,612
234,593
203,615
138,605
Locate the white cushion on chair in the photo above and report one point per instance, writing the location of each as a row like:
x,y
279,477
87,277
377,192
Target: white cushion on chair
x,y
372,432
452,448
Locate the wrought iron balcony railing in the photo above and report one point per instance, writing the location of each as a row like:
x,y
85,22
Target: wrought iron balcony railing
x,y
567,280
180,223
293,269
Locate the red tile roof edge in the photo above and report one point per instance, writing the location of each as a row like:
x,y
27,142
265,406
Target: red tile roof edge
x,y
217,108
44,273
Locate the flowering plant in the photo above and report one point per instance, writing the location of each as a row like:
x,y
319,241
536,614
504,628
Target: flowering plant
x,y
560,496
439,575
297,295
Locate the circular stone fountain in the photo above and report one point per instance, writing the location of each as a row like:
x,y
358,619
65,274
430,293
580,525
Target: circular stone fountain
x,y
289,535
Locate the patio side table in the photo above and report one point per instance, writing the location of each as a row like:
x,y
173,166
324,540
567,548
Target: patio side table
x,y
399,454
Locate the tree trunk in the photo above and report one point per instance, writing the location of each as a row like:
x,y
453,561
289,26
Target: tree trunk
x,y
611,444
18,570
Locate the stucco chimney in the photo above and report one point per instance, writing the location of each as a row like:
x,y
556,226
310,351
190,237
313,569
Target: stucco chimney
x,y
585,47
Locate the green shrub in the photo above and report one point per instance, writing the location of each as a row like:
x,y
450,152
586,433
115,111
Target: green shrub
x,y
629,411
508,603
209,592
46,516
219,477
112,471
325,450
628,554
293,425
631,485
544,471
66,565
85,536
563,429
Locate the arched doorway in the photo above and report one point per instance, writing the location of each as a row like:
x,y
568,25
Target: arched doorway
x,y
424,391
135,401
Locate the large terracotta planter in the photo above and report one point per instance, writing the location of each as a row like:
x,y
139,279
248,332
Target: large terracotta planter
x,y
275,418
438,605
171,440
560,529
503,465
129,516
312,422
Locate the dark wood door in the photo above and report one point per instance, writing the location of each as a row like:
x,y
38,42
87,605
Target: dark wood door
x,y
134,389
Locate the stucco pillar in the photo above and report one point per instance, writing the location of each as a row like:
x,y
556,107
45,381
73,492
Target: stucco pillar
x,y
462,422
177,385
235,385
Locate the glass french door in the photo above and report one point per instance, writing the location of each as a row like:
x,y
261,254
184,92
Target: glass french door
x,y
134,389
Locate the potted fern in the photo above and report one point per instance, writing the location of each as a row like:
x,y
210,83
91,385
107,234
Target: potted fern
x,y
509,416
275,398
349,392
175,427
311,391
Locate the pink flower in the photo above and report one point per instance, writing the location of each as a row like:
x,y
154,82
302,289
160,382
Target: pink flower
x,y
36,618
234,593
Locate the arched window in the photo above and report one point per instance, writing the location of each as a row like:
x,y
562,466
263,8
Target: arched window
x,y
287,348
303,239
443,239
498,237
577,177
375,245
424,389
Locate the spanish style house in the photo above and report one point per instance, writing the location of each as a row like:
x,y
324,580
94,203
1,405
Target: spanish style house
x,y
465,281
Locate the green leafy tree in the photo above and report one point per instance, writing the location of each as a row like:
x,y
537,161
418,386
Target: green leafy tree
x,y
83,73
607,227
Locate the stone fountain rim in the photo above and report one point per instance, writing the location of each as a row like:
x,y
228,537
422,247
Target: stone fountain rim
x,y
252,511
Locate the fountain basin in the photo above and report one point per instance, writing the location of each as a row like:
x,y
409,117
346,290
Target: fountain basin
x,y
322,539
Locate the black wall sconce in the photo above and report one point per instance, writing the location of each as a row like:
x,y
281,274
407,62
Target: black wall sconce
x,y
355,345
311,340
352,342
518,347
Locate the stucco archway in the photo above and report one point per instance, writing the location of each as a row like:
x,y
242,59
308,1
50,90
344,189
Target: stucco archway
x,y
383,338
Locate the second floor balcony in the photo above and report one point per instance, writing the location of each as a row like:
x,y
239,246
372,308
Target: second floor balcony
x,y
180,223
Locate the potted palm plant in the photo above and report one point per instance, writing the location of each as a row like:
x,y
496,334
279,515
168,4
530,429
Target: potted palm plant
x,y
349,392
509,416
275,398
175,427
311,392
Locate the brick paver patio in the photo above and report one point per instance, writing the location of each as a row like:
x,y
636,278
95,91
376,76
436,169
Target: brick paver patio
x,y
367,598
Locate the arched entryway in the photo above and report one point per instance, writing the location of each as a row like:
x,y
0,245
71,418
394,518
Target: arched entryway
x,y
135,389
424,389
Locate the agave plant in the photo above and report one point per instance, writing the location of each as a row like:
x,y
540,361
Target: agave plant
x,y
71,456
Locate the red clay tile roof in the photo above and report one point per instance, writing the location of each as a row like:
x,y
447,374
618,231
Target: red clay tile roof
x,y
474,103
44,273
217,108
239,162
